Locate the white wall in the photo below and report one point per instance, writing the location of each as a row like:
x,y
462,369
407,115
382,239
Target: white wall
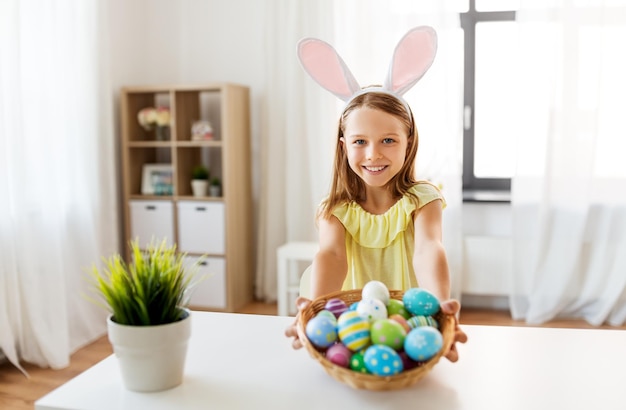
x,y
190,42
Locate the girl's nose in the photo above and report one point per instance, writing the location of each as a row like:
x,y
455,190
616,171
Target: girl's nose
x,y
373,153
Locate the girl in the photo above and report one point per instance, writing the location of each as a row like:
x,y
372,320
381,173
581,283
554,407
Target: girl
x,y
378,222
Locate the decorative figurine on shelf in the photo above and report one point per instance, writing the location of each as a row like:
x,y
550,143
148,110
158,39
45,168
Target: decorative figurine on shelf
x,y
157,119
201,131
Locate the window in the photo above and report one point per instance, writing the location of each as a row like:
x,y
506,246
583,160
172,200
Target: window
x,y
488,153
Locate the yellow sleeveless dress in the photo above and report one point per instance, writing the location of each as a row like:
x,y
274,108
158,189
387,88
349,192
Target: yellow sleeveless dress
x,y
380,247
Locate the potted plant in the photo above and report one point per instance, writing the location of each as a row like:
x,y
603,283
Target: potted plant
x,y
215,189
149,323
200,181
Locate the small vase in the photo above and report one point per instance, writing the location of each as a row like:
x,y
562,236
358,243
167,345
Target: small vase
x,y
151,358
215,190
199,187
162,133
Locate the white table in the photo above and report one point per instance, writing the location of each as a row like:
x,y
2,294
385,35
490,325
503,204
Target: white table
x,y
245,362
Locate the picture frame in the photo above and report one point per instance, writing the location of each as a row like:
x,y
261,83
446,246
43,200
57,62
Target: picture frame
x,y
157,179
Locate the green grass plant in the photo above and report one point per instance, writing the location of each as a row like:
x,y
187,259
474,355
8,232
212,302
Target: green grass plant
x,y
151,290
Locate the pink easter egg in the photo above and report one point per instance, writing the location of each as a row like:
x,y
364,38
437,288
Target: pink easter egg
x,y
400,319
339,354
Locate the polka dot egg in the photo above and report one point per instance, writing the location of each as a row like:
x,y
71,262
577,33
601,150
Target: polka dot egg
x,y
388,332
321,331
382,360
372,309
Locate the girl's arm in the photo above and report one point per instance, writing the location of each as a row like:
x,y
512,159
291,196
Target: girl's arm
x,y
429,258
330,264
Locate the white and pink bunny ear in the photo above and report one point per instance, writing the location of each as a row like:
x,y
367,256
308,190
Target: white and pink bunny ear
x,y
327,68
412,57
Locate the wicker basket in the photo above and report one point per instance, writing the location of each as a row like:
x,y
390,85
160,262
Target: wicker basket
x,y
359,380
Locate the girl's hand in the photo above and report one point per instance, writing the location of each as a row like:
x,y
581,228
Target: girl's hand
x,y
452,307
292,330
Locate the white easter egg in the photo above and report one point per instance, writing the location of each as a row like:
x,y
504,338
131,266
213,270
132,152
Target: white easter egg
x,y
375,290
372,309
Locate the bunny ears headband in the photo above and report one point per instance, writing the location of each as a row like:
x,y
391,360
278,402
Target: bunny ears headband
x,y
412,57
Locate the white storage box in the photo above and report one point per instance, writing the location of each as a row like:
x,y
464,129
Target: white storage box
x,y
211,292
201,227
151,220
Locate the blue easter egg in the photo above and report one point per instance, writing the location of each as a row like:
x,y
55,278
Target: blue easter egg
x,y
382,360
420,302
422,343
321,331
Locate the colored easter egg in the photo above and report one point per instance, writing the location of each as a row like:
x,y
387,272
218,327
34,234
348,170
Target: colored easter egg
x,y
321,331
389,333
328,314
382,360
336,306
419,321
372,309
420,302
396,307
353,306
354,330
339,354
357,362
375,290
402,321
422,343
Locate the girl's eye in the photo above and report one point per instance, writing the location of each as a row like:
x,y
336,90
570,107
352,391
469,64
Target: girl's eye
x,y
359,142
388,141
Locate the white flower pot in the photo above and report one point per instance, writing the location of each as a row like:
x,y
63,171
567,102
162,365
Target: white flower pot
x,y
199,187
151,358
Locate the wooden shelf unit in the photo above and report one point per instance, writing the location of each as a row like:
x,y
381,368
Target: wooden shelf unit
x,y
227,156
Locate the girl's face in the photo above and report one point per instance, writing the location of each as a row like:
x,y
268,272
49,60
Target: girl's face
x,y
375,143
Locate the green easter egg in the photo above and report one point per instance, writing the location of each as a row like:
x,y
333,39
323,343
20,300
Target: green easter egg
x,y
396,307
388,332
328,314
357,362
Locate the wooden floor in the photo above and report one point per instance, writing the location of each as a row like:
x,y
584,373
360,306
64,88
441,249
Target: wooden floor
x,y
19,393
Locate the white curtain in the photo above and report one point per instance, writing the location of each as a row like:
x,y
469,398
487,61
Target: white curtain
x,y
299,136
57,182
297,126
569,191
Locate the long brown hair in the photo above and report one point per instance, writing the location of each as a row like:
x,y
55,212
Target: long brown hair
x,y
346,185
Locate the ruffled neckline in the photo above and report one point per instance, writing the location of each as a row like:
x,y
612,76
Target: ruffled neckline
x,y
376,230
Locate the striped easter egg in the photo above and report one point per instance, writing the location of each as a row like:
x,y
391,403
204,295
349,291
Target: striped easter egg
x,y
354,330
336,306
420,320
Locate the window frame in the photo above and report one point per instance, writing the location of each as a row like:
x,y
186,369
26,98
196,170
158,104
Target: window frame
x,y
475,188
